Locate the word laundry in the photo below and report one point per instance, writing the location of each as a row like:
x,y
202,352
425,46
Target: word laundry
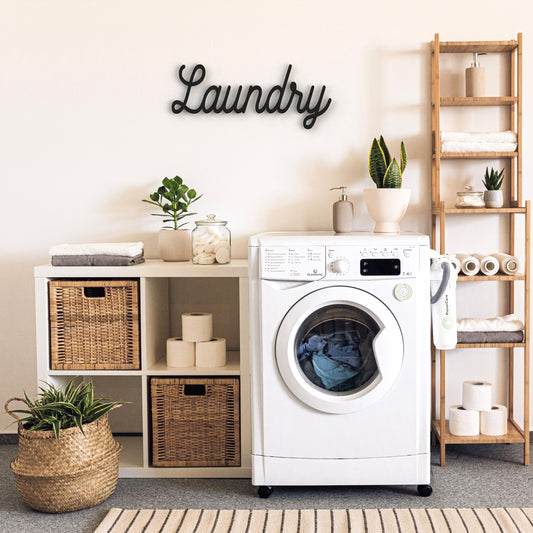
x,y
277,99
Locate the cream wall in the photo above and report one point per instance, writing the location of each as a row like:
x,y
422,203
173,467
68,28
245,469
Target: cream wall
x,y
86,130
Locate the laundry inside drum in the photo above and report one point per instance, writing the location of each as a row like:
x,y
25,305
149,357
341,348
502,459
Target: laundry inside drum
x,y
334,349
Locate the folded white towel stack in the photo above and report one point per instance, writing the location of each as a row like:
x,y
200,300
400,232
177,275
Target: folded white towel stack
x,y
126,249
496,141
498,323
489,136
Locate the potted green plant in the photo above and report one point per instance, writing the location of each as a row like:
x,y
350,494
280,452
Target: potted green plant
x,y
174,199
387,202
493,196
67,456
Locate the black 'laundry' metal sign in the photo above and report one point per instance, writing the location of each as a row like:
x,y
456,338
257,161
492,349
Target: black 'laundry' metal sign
x,y
276,99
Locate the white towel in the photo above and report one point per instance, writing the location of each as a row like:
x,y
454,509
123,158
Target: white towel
x,y
509,264
498,323
489,136
127,249
482,146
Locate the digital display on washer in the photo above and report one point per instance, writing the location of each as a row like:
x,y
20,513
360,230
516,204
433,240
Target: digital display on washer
x,y
380,267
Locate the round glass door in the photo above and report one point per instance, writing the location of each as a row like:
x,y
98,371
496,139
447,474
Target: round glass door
x,y
339,349
334,349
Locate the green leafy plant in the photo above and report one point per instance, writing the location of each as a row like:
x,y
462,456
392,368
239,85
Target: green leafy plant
x,y
386,173
493,179
174,199
57,409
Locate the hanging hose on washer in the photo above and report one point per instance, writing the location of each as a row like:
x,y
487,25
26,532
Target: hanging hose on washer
x,y
443,306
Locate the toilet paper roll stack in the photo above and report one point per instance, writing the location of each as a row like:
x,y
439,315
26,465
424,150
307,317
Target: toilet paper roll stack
x,y
477,414
197,345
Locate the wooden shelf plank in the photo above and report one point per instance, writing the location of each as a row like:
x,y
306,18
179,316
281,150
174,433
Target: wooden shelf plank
x,y
497,277
462,101
478,210
478,155
512,436
491,345
464,47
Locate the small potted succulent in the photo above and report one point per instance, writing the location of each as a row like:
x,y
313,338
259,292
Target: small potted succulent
x,y
492,180
388,202
67,456
174,199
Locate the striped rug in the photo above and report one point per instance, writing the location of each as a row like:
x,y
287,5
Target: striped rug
x,y
496,520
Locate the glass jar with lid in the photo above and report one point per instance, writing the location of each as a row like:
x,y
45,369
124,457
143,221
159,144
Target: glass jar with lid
x,y
469,198
211,242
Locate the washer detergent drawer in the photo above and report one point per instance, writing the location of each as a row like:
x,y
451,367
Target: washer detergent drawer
x,y
339,350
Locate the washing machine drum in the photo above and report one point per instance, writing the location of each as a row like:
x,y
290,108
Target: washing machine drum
x,y
339,349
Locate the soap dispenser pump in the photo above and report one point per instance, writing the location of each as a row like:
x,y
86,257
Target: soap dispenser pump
x,y
342,213
475,77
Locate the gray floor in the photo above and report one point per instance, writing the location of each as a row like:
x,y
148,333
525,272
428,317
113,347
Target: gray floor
x,y
475,476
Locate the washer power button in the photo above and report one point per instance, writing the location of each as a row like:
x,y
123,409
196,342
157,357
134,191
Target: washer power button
x,y
403,292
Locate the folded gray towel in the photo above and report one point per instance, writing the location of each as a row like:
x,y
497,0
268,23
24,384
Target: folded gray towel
x,y
477,337
96,260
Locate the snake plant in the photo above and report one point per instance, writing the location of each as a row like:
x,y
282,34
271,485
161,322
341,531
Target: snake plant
x,y
386,173
493,179
60,409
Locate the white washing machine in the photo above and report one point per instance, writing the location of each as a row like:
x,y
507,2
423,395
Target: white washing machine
x,y
340,349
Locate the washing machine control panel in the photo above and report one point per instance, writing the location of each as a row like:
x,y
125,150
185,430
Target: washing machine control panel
x,y
360,262
350,262
298,263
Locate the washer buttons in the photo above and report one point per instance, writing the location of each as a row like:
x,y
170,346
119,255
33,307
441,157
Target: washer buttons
x,y
403,292
407,252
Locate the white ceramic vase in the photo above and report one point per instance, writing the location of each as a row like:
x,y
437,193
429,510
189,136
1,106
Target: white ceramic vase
x,y
175,244
493,198
387,207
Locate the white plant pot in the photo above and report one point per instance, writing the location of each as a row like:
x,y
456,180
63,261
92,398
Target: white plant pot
x,y
387,207
493,198
175,244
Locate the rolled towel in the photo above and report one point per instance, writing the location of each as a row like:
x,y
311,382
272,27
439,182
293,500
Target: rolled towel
x,y
463,146
509,264
469,264
126,249
498,323
488,264
456,264
489,136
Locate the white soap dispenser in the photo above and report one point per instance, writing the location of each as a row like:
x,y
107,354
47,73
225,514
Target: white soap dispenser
x,y
475,77
342,213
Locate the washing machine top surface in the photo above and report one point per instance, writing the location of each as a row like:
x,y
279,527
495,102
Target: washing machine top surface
x,y
330,237
310,256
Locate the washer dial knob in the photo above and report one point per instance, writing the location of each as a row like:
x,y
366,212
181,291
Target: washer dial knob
x,y
340,266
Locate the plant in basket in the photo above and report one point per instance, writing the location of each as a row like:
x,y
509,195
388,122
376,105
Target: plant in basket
x,y
67,456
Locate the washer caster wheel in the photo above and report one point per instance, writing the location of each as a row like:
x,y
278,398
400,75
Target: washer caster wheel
x,y
264,492
424,490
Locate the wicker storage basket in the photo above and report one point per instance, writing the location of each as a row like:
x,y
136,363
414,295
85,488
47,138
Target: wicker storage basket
x,y
73,473
195,422
77,490
94,324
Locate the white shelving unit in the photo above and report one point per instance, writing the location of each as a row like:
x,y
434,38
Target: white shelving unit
x,y
165,290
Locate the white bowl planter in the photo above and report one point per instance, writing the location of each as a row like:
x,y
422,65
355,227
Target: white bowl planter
x,y
387,207
175,244
493,198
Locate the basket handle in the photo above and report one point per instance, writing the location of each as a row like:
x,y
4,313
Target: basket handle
x,y
14,400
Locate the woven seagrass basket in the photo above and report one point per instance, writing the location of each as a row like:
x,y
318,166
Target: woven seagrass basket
x,y
76,472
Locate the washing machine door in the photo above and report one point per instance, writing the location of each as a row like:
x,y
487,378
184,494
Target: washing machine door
x,y
339,349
